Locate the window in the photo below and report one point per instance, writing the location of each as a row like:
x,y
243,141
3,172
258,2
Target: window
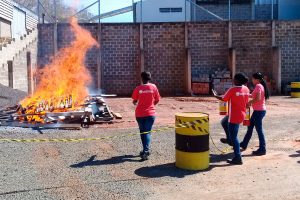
x,y
176,9
169,10
165,10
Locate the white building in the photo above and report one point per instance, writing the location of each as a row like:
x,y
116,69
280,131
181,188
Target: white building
x,y
201,10
15,19
162,11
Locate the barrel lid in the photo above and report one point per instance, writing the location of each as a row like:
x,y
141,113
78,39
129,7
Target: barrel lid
x,y
191,114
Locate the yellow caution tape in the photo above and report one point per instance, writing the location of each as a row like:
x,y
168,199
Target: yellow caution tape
x,y
186,125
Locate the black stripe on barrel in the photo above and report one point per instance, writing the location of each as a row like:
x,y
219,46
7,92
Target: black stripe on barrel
x,y
193,144
295,89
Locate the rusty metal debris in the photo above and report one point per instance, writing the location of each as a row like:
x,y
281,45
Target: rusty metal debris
x,y
94,110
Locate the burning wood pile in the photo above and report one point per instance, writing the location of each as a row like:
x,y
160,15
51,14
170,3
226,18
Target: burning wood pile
x,y
60,99
94,110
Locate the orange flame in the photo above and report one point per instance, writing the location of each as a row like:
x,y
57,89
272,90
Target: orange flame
x,y
63,83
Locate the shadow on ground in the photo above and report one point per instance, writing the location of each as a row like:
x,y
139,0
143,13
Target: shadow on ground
x,y
296,155
170,170
111,161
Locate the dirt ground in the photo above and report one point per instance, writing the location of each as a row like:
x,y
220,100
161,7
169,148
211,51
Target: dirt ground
x,y
110,169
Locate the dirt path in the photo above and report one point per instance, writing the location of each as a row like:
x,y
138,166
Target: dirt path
x,y
110,169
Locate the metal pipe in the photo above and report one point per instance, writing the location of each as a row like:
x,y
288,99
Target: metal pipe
x,y
272,14
184,10
141,11
229,10
194,12
55,11
133,10
99,20
85,8
55,28
38,10
202,8
46,12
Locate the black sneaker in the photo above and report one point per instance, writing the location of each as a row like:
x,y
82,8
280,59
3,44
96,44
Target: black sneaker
x,y
235,161
259,152
145,156
147,152
225,141
242,147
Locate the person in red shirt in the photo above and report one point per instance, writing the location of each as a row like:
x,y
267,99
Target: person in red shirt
x,y
258,102
237,97
145,96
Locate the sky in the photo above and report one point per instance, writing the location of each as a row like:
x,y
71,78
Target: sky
x,y
106,6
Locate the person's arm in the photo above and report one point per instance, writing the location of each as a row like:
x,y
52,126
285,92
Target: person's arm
x,y
226,97
216,95
255,98
134,102
135,97
156,97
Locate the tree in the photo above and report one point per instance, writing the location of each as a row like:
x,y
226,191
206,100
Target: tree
x,y
63,11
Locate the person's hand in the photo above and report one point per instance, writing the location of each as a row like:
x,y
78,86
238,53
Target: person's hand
x,y
214,92
249,104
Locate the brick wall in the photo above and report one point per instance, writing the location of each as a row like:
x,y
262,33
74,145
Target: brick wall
x,y
288,39
165,55
164,51
120,57
92,54
253,44
45,44
208,43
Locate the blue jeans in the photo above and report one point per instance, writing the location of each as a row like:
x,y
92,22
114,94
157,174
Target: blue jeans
x,y
233,132
145,125
256,120
224,123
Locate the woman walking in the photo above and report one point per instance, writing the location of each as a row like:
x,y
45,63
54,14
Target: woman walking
x,y
238,97
258,103
145,96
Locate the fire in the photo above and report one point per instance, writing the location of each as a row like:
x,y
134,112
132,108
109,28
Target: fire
x,y
63,83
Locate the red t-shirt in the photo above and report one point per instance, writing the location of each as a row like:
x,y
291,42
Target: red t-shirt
x,y
237,97
146,95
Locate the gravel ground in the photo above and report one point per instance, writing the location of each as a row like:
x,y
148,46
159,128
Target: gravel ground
x,y
110,169
9,96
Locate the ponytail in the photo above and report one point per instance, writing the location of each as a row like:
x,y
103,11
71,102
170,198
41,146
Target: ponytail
x,y
262,81
267,93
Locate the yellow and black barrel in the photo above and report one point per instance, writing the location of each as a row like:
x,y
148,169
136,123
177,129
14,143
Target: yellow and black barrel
x,y
295,89
192,141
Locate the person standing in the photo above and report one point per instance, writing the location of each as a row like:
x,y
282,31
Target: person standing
x,y
145,96
238,97
258,103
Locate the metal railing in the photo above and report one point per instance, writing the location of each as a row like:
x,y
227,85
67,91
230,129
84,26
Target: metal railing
x,y
193,11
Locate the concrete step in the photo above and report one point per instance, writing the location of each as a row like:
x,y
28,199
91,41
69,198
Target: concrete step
x,y
9,51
